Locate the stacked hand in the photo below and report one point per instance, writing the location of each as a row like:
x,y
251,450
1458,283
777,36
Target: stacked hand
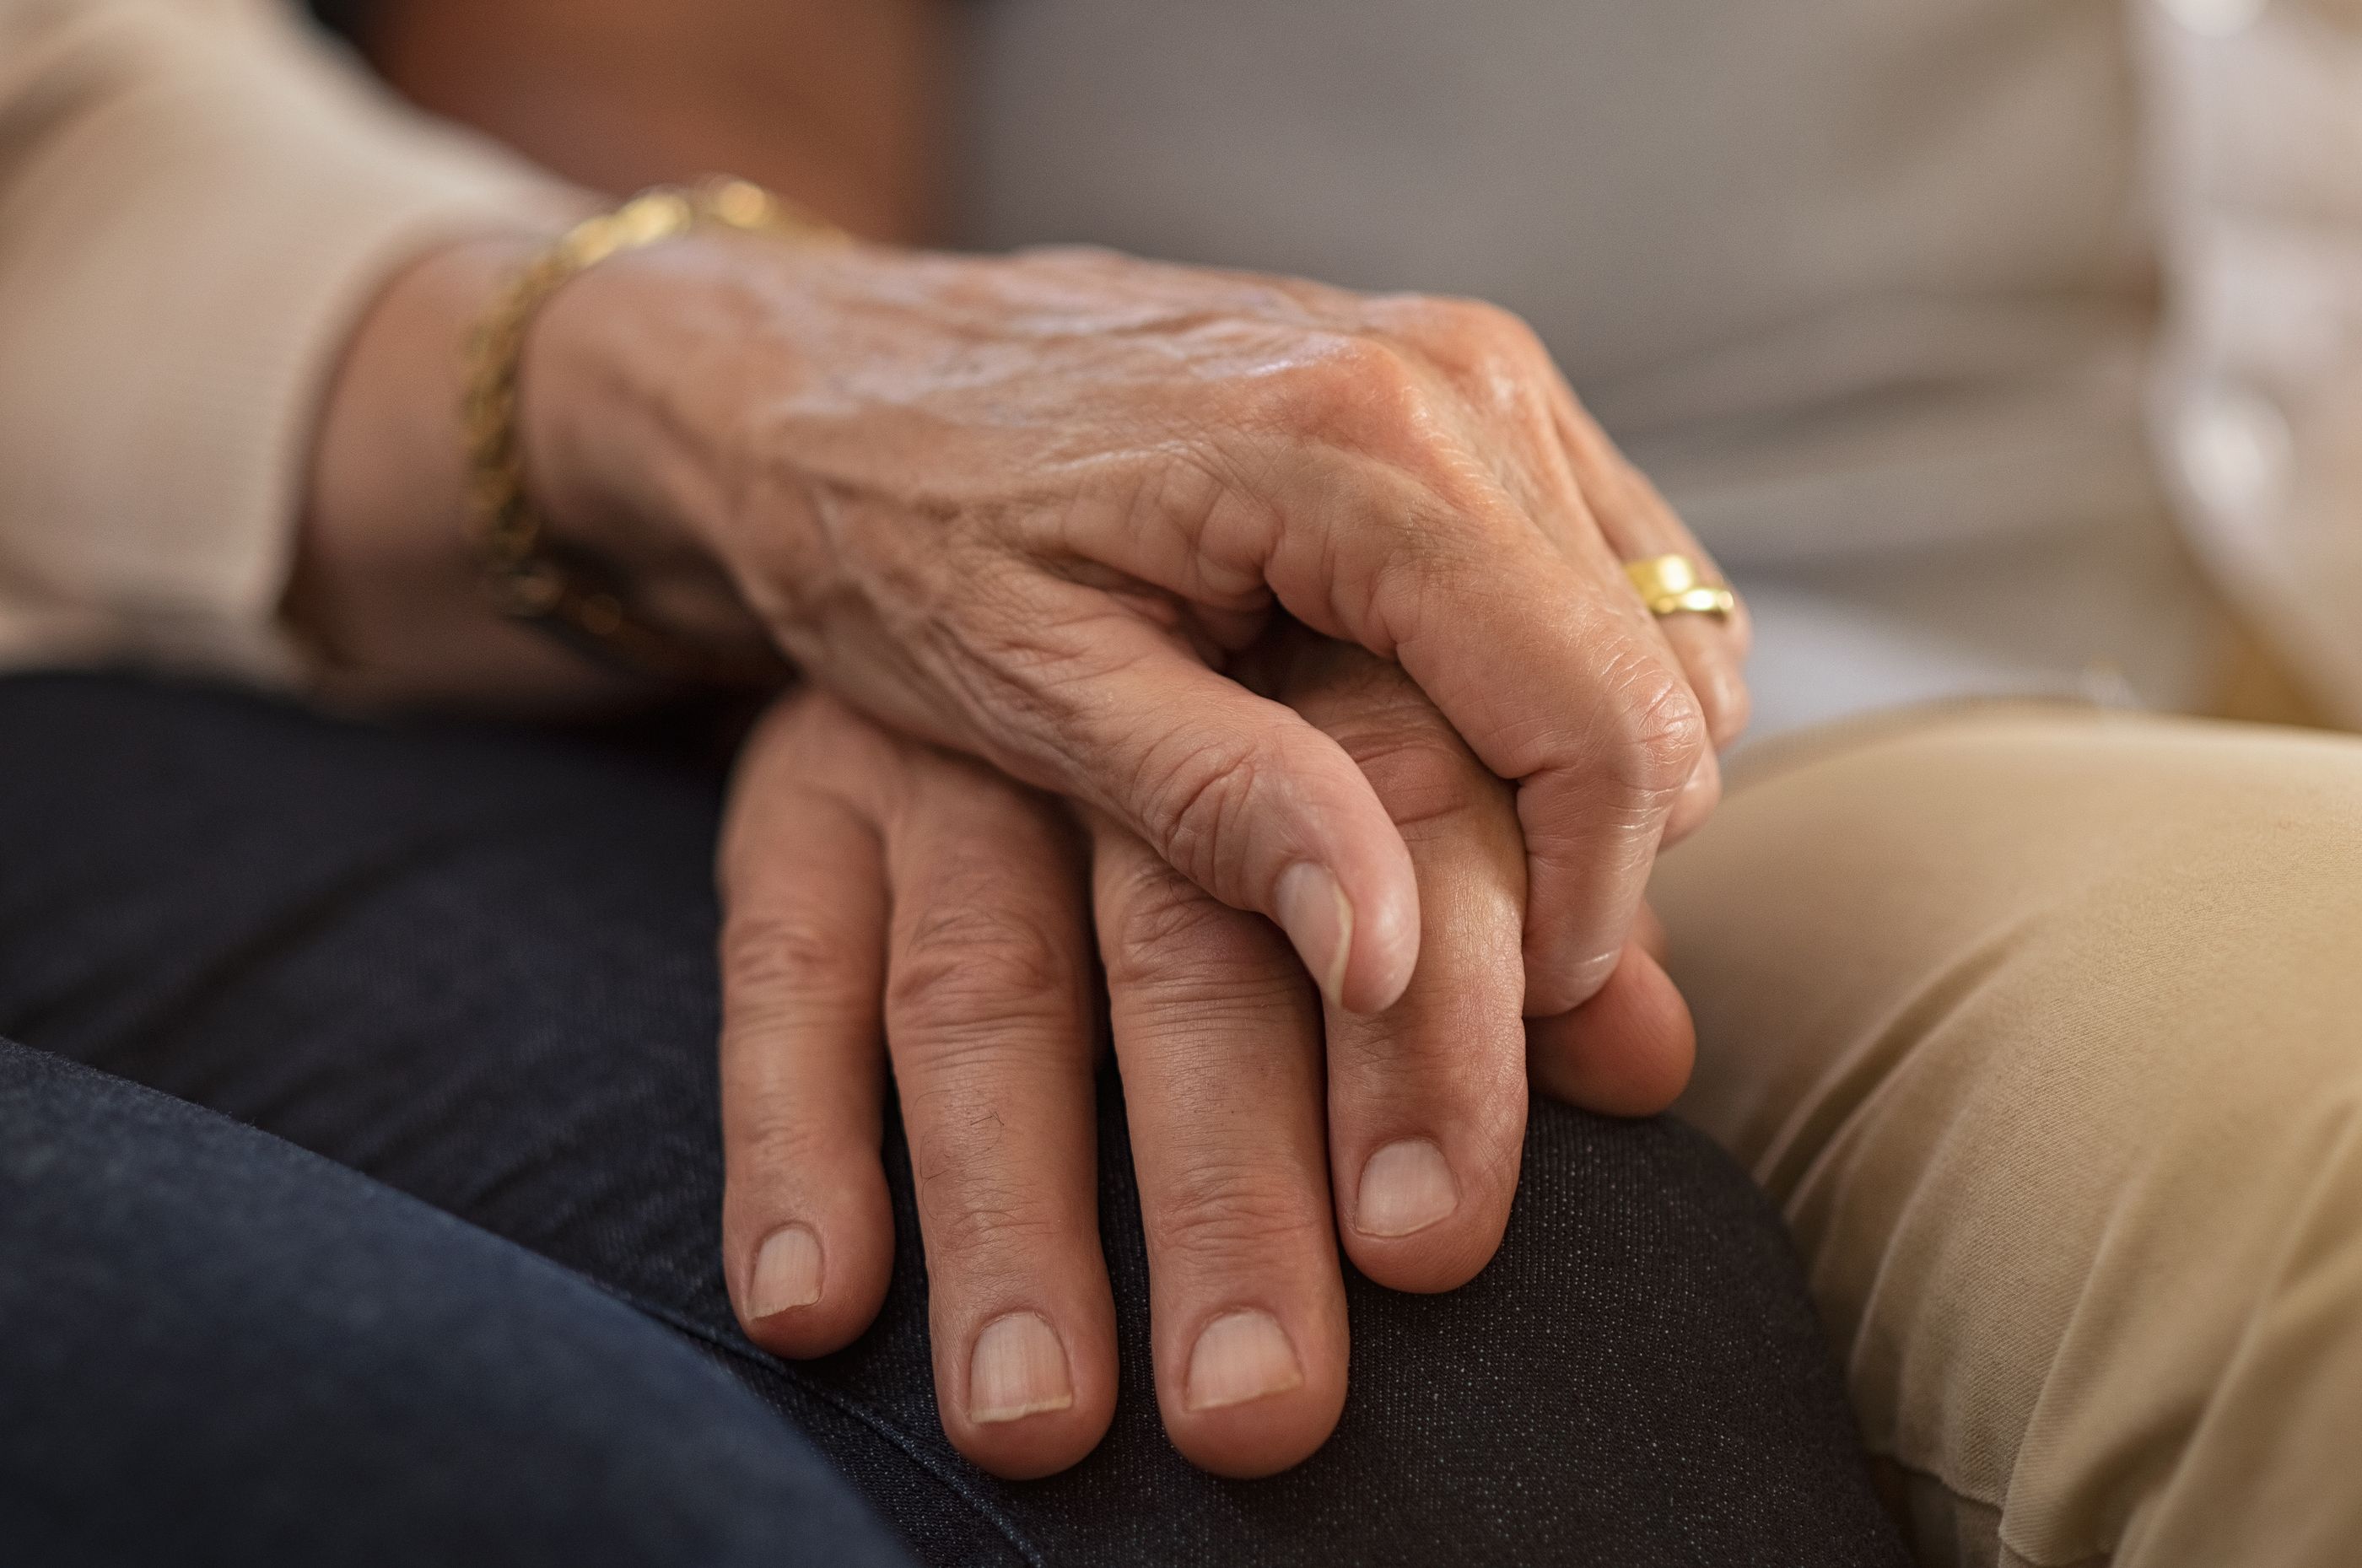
x,y
1027,508
859,867
1146,608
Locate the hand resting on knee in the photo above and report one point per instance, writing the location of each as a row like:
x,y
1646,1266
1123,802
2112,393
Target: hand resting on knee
x,y
889,902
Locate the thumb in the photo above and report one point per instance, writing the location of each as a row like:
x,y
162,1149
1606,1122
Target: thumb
x,y
1247,800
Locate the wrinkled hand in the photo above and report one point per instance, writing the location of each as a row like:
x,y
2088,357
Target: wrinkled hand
x,y
876,887
1029,508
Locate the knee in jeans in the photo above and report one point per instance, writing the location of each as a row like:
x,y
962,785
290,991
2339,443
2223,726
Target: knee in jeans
x,y
1659,1213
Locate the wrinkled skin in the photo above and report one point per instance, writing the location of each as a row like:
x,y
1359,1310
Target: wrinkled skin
x,y
888,899
1032,507
1046,511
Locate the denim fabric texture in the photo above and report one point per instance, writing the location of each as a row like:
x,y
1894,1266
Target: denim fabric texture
x,y
476,967
222,1348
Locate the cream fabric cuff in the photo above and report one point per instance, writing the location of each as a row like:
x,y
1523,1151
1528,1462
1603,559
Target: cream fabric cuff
x,y
206,202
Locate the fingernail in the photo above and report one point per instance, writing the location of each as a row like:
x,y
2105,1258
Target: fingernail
x,y
1318,920
787,1272
1406,1186
1019,1369
1241,1356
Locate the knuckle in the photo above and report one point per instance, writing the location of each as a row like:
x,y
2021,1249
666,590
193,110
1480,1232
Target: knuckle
x,y
961,1072
777,1144
1653,729
1391,729
1357,389
783,954
1478,342
1443,319
975,1144
1200,804
1223,1215
1157,914
1204,1004
965,970
975,1116
1485,330
1171,944
1216,492
1366,366
974,1217
1423,777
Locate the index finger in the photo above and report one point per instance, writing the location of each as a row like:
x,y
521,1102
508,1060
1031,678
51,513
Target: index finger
x,y
1354,501
1426,1101
1544,671
1215,1032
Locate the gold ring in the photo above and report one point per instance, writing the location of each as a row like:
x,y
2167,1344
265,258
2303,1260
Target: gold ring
x,y
1670,585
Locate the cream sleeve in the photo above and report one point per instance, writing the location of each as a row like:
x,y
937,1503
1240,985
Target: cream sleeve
x,y
197,198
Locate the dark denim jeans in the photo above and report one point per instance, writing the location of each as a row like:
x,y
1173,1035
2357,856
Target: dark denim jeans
x,y
474,971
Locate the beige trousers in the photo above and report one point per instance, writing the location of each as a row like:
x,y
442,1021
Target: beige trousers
x,y
2044,1027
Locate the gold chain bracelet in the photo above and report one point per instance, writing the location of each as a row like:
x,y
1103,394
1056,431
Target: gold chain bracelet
x,y
528,576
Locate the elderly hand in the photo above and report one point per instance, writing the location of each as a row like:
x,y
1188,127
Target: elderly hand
x,y
875,885
1030,507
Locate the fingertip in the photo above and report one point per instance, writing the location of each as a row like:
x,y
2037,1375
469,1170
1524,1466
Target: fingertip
x,y
1425,1222
1713,655
1030,1396
1407,1186
1698,799
1311,907
805,1284
1260,809
787,1273
1627,1051
1554,986
1360,947
800,1329
1729,708
1216,1035
1253,1396
1385,951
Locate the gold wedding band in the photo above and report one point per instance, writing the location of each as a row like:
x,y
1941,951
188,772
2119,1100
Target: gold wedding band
x,y
1670,585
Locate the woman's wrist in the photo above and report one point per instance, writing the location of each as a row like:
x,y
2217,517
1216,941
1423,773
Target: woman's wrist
x,y
383,587
628,414
388,586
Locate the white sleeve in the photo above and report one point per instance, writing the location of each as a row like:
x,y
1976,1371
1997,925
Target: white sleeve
x,y
197,199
